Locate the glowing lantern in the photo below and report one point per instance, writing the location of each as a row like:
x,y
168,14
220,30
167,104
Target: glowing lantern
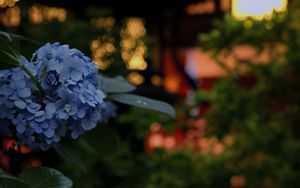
x,y
257,9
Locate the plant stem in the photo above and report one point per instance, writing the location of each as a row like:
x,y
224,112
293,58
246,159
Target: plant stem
x,y
36,82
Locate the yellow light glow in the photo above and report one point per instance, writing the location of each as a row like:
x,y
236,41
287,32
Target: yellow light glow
x,y
226,5
136,27
156,80
101,49
11,17
135,78
137,62
38,14
172,84
35,14
9,3
103,23
257,9
206,7
133,49
2,3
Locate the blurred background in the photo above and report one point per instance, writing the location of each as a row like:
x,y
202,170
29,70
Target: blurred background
x,y
229,67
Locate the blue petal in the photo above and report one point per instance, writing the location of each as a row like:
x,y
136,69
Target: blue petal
x,y
44,125
76,76
20,104
40,116
65,74
88,125
73,110
49,141
55,65
49,133
50,110
6,90
63,93
82,99
20,129
20,84
38,130
95,116
81,113
72,82
53,124
25,92
91,103
33,107
75,134
62,115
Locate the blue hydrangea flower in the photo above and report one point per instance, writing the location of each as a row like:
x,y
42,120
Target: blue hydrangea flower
x,y
71,72
71,102
109,111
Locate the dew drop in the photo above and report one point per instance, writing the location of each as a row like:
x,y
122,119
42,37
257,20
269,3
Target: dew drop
x,y
142,102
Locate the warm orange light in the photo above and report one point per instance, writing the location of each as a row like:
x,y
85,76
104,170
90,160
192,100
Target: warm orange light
x,y
172,84
11,17
225,5
2,3
9,3
38,14
101,48
238,181
170,142
257,9
156,140
156,80
135,78
198,58
137,62
206,7
35,14
105,23
133,49
135,27
155,127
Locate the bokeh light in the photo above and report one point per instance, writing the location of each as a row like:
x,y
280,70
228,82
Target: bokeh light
x,y
156,80
38,14
7,3
11,17
135,78
133,48
102,48
257,9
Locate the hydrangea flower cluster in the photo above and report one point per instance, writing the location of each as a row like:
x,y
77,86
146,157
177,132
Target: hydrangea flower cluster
x,y
68,101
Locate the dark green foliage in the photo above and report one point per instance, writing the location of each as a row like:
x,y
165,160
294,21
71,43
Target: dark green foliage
x,y
263,117
41,177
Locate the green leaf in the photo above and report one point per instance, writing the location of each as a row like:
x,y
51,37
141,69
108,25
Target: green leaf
x,y
11,37
43,177
10,49
144,102
4,182
102,140
8,60
115,85
10,45
67,152
8,56
6,35
8,181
